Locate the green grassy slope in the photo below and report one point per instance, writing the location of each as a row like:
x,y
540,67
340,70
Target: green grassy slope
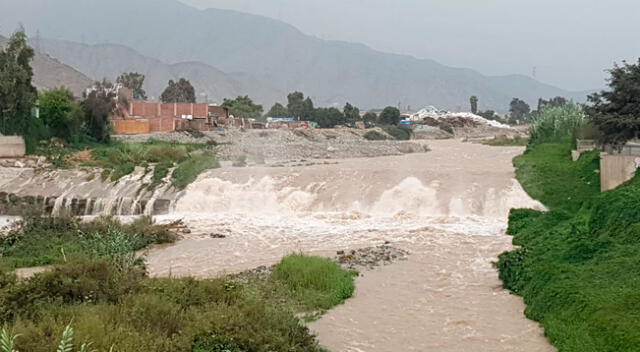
x,y
578,265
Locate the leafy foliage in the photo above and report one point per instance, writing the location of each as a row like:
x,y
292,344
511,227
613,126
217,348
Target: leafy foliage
x,y
351,113
328,117
243,107
17,93
61,114
374,136
474,104
278,110
400,133
389,116
135,82
127,311
616,112
557,124
519,109
179,92
99,105
298,106
370,118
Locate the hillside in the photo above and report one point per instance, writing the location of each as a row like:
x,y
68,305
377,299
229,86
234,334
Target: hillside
x,y
331,72
110,60
51,73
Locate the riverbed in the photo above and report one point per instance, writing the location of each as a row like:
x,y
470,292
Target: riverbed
x,y
447,207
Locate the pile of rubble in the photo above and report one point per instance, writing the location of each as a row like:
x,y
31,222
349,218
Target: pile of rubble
x,y
432,116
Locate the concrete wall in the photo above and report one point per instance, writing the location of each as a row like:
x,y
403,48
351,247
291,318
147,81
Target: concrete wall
x,y
617,169
12,147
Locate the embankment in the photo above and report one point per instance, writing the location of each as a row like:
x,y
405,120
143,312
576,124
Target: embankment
x,y
577,265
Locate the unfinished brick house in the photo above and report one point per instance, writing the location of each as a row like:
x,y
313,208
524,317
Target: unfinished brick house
x,y
142,117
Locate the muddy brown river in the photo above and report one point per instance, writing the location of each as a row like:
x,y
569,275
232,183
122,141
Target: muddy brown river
x,y
447,207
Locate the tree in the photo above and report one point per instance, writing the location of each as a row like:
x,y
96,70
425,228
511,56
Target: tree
x,y
489,114
328,117
389,116
474,104
370,118
179,92
135,82
278,110
553,102
519,109
298,106
17,93
616,112
61,114
243,106
351,113
99,105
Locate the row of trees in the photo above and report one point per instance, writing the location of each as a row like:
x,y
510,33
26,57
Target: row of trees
x,y
302,108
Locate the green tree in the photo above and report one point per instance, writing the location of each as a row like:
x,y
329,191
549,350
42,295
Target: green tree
x,y
328,117
298,106
389,116
616,112
99,106
243,106
489,114
474,104
179,92
370,118
351,113
17,93
61,114
135,82
278,110
519,109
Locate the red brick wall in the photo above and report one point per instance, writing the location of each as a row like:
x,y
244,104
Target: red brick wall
x,y
167,110
161,125
138,126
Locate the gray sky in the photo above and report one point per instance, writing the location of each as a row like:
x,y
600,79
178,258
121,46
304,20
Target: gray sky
x,y
570,42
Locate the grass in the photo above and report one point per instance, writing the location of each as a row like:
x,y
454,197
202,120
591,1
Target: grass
x,y
578,265
188,170
119,159
125,310
317,283
50,240
548,174
504,141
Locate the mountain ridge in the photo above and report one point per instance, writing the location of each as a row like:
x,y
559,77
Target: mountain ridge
x,y
275,53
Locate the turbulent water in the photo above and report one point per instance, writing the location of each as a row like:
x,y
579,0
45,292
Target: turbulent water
x,y
448,207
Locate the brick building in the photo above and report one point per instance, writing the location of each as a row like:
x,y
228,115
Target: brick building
x,y
142,117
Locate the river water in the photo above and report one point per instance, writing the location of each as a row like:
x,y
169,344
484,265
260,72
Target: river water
x,y
447,207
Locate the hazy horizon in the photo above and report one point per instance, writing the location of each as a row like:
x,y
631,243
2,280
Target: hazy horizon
x,y
566,44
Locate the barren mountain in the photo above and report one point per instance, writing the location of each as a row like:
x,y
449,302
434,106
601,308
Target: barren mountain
x,y
110,60
51,73
274,52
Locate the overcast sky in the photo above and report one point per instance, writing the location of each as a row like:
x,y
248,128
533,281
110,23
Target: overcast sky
x,y
569,42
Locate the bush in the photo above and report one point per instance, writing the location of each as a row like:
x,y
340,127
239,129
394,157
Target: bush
x,y
135,313
374,136
319,283
399,133
48,240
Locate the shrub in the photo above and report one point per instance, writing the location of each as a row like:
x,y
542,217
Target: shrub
x,y
374,136
400,133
